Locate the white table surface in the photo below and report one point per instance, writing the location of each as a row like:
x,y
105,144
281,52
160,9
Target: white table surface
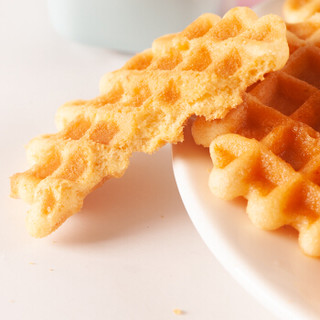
x,y
132,252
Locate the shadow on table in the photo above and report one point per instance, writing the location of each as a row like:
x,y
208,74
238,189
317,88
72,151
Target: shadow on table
x,y
143,197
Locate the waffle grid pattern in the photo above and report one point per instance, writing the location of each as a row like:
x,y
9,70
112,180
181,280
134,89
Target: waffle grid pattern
x,y
268,149
304,33
144,105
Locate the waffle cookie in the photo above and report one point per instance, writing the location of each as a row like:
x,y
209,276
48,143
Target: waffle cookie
x,y
268,149
203,70
299,10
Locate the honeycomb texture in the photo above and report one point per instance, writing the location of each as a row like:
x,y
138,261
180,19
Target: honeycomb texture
x,y
203,70
268,148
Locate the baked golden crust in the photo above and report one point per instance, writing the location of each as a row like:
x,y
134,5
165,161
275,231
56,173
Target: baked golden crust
x,y
268,148
203,70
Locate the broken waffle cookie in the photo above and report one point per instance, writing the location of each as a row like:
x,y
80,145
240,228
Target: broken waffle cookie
x,y
268,148
203,70
299,10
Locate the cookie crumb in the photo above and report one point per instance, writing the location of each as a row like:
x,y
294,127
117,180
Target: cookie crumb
x,y
178,312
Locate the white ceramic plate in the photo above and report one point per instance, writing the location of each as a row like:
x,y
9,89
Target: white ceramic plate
x,y
270,265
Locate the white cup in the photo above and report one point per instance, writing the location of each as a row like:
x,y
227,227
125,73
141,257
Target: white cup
x,y
127,25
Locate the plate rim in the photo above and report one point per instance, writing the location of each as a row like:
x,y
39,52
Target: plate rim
x,y
262,290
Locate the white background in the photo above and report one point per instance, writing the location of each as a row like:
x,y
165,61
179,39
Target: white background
x,y
132,252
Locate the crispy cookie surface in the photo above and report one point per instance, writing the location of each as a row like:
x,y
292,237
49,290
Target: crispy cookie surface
x,y
268,148
203,70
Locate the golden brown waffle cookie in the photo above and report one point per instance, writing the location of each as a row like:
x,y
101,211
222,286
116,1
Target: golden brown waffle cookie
x,y
304,33
268,149
300,10
202,70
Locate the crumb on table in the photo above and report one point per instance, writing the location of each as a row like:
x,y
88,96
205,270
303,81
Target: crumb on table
x,y
178,311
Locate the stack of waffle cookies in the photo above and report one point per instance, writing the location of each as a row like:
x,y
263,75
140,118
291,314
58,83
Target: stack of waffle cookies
x,y
256,109
268,148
